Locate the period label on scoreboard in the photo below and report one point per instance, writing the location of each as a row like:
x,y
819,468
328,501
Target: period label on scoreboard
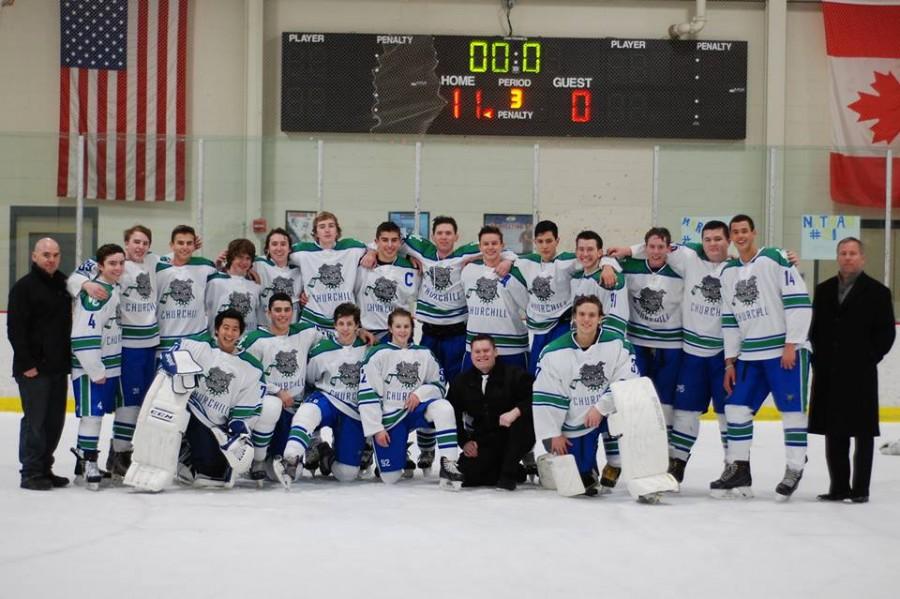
x,y
462,85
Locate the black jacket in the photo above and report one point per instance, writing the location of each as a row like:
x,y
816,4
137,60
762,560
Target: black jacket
x,y
848,340
39,323
508,387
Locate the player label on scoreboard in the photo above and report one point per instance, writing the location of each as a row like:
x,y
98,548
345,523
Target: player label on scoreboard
x,y
461,85
820,234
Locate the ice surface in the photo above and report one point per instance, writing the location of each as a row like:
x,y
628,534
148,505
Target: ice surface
x,y
367,540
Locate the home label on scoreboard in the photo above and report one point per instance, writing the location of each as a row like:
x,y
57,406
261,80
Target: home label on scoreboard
x,y
476,85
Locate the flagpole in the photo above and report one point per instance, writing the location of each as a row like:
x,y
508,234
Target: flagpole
x,y
888,192
79,202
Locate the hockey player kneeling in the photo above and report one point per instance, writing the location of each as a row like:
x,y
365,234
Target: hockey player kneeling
x,y
402,389
227,405
572,395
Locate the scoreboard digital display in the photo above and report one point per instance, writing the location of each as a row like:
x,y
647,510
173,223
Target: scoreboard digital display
x,y
561,87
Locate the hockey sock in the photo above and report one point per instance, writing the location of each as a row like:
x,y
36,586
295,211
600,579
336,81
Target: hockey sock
x,y
440,412
306,419
89,433
685,427
668,413
795,439
123,427
723,431
425,439
264,427
611,449
740,432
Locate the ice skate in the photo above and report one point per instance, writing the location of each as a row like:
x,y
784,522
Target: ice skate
x,y
117,463
92,475
258,472
450,478
609,478
788,484
735,482
326,459
590,480
676,469
890,448
311,459
531,469
286,470
426,460
409,469
366,458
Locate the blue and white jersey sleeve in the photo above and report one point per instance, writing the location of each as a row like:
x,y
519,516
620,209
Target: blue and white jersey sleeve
x,y
371,390
797,305
550,398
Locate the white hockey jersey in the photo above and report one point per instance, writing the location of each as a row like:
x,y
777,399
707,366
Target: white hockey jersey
x,y
654,317
181,306
571,380
701,304
329,277
335,369
276,279
230,387
381,289
137,299
389,374
614,301
764,305
283,357
225,291
96,335
549,288
496,307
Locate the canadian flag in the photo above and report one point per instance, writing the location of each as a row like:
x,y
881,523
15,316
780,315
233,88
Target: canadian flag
x,y
863,43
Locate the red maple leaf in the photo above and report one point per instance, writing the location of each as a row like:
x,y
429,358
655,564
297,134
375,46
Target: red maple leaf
x,y
885,106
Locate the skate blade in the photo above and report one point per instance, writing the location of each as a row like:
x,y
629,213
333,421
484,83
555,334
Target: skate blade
x,y
407,474
92,485
601,490
450,485
735,493
779,498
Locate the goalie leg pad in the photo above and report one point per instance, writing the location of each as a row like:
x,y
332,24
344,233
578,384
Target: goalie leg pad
x,y
566,476
643,441
157,436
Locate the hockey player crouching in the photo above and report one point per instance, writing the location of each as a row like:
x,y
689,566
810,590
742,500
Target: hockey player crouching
x,y
571,393
402,389
228,405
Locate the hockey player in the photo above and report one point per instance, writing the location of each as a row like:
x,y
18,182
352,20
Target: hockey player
x,y
181,280
282,349
766,313
229,409
571,394
393,282
140,334
96,361
654,325
232,288
329,268
276,274
402,389
495,304
588,281
334,372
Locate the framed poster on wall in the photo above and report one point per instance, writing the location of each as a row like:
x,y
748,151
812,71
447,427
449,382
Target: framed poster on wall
x,y
516,229
405,221
299,224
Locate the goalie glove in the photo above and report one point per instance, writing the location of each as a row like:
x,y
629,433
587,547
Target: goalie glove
x,y
180,365
235,445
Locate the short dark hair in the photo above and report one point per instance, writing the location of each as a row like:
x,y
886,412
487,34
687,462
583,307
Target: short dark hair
x,y
138,229
742,218
107,250
239,247
590,235
444,220
271,234
587,299
483,337
280,297
490,230
229,313
546,226
348,309
399,312
862,248
182,230
388,227
661,232
716,224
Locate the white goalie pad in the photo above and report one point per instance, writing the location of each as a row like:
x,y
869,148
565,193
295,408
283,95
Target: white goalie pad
x,y
640,426
157,436
560,472
891,448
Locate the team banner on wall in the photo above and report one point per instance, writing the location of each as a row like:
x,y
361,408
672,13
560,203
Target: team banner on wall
x,y
863,44
692,228
820,234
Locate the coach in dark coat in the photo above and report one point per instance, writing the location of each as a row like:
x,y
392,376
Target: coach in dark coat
x,y
852,330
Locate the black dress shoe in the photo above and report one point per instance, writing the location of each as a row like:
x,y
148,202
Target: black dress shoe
x,y
859,498
36,483
506,484
58,482
833,496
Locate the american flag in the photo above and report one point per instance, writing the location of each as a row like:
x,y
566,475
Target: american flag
x,y
122,84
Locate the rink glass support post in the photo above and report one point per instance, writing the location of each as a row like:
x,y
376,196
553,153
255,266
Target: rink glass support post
x,y
320,174
79,201
536,186
654,200
201,230
418,189
888,192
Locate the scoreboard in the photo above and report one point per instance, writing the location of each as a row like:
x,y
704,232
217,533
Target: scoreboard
x,y
476,85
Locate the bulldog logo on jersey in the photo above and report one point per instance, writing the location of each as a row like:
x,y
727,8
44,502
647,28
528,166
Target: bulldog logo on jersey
x,y
239,301
285,363
440,277
746,291
283,285
141,285
348,374
407,373
385,290
485,289
591,376
330,275
650,301
218,381
541,288
711,289
181,292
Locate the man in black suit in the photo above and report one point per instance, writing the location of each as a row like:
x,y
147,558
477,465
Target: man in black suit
x,y
492,401
851,331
